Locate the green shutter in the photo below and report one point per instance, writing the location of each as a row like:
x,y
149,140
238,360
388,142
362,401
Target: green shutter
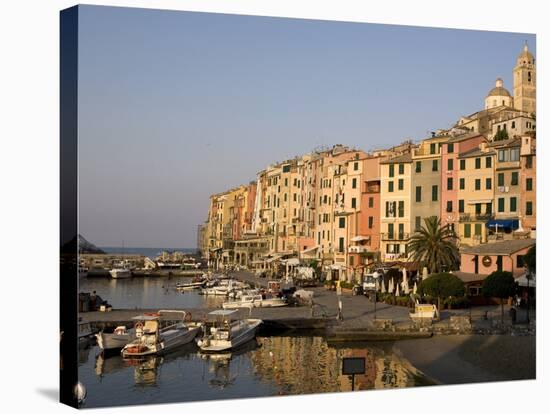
x,y
467,230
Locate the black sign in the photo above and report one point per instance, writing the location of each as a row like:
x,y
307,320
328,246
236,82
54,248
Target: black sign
x,y
353,366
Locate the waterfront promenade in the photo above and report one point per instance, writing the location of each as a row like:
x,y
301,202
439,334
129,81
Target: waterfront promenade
x,y
360,319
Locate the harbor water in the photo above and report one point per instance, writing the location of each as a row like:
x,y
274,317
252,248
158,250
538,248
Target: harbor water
x,y
266,366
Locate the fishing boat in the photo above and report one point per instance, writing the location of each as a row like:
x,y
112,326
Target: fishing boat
x,y
116,339
159,333
255,301
227,334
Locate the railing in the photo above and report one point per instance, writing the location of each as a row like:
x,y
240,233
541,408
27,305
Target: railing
x,y
395,236
466,217
357,249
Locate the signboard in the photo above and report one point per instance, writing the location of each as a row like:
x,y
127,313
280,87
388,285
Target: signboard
x,y
353,366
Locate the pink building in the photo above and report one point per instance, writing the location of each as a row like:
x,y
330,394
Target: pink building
x,y
449,158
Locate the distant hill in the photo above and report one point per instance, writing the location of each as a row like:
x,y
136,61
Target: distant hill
x,y
84,246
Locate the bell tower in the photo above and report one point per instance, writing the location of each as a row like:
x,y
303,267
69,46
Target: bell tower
x,y
525,85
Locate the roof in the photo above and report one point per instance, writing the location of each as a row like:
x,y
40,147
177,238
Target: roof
x,y
512,142
475,152
469,277
465,136
500,248
499,91
402,158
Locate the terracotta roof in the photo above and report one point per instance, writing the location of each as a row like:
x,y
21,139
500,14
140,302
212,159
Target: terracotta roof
x,y
500,248
469,277
475,152
402,158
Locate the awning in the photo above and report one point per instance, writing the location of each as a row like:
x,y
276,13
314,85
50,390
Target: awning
x,y
360,238
294,261
503,224
311,249
522,281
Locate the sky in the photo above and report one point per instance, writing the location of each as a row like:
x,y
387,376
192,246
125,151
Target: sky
x,y
174,106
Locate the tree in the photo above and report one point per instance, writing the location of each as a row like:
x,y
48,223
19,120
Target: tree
x,y
434,246
501,135
499,284
441,285
530,259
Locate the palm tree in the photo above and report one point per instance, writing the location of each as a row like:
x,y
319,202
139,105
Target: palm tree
x,y
434,246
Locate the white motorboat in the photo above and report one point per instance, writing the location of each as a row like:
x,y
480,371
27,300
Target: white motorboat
x,y
120,273
116,339
160,333
190,285
255,301
226,334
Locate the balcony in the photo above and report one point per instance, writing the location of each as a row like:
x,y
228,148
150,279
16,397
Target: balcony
x,y
467,217
394,236
394,256
357,249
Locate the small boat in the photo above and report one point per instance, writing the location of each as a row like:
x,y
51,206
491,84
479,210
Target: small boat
x,y
116,339
159,333
226,334
190,285
255,301
120,273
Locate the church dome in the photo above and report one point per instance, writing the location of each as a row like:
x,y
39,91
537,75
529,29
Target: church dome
x,y
499,89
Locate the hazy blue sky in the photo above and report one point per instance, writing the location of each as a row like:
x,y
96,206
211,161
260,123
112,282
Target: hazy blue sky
x,y
174,106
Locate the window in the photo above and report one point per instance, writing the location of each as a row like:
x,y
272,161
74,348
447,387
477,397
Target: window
x,y
467,230
342,222
418,166
488,162
401,169
488,183
500,178
513,204
489,208
417,223
286,168
450,148
450,183
529,161
401,231
450,164
462,184
502,155
434,165
478,208
390,208
529,184
435,191
461,206
371,202
515,178
354,183
462,164
477,230
390,186
432,148
294,196
418,194
478,184
285,197
501,205
392,170
529,208
449,206
401,209
371,221
514,154
390,231
355,166
286,182
513,124
400,184
478,163
341,245
353,202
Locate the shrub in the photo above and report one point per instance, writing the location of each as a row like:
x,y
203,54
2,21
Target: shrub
x,y
441,285
500,285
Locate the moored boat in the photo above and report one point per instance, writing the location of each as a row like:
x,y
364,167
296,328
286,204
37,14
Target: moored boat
x,y
120,273
227,334
159,333
115,340
255,301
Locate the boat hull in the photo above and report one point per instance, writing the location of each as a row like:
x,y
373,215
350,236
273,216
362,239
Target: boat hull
x,y
108,341
169,342
217,345
120,274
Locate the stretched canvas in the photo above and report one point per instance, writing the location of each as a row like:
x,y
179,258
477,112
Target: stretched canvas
x,y
257,206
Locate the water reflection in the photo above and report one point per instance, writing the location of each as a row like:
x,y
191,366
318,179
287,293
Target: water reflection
x,y
264,367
